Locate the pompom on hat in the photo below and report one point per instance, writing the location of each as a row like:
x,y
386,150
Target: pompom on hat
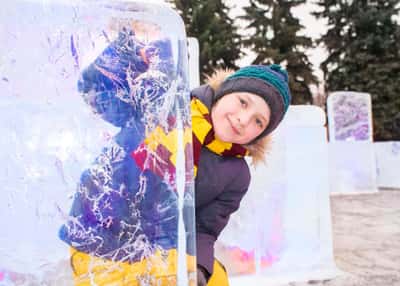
x,y
268,81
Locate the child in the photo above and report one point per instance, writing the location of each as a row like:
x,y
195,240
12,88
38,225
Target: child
x,y
242,109
117,229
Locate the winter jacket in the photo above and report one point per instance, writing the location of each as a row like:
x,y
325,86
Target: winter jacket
x,y
119,211
220,184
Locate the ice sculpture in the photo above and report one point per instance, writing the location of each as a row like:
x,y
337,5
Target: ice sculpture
x,y
282,231
96,145
349,116
351,151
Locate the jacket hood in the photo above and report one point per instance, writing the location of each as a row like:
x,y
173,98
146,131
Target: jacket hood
x,y
261,147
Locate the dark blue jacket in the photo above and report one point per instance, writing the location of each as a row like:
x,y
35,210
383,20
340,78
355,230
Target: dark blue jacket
x,y
117,205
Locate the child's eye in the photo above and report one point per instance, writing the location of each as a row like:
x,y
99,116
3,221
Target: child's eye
x,y
243,102
259,123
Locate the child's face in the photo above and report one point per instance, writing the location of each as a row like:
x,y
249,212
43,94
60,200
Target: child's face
x,y
240,117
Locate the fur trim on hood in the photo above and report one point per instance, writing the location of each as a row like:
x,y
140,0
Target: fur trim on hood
x,y
261,147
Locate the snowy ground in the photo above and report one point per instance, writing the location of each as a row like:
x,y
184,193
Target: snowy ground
x,y
366,240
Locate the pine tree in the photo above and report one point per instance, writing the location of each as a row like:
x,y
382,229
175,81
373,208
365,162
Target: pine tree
x,y
274,37
208,21
363,43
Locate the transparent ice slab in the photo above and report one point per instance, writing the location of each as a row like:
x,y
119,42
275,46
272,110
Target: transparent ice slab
x,y
95,121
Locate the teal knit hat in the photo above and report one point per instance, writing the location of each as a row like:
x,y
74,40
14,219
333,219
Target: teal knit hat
x,y
269,82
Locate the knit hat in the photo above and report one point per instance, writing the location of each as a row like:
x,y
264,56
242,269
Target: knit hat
x,y
269,82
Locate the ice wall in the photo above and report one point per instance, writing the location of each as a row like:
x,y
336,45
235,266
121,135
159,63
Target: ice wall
x,y
53,129
388,163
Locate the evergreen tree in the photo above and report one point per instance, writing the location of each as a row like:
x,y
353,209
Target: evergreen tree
x,y
274,37
208,21
363,43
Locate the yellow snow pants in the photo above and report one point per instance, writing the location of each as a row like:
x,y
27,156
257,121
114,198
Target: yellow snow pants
x,y
158,270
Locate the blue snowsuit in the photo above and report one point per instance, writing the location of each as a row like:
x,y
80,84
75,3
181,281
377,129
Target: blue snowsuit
x,y
117,205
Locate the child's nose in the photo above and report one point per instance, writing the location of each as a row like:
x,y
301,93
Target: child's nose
x,y
244,119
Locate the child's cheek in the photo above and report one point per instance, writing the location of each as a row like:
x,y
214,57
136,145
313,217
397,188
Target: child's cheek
x,y
255,131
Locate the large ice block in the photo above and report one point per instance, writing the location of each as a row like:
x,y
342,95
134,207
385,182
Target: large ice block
x,y
282,231
96,144
351,151
352,167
